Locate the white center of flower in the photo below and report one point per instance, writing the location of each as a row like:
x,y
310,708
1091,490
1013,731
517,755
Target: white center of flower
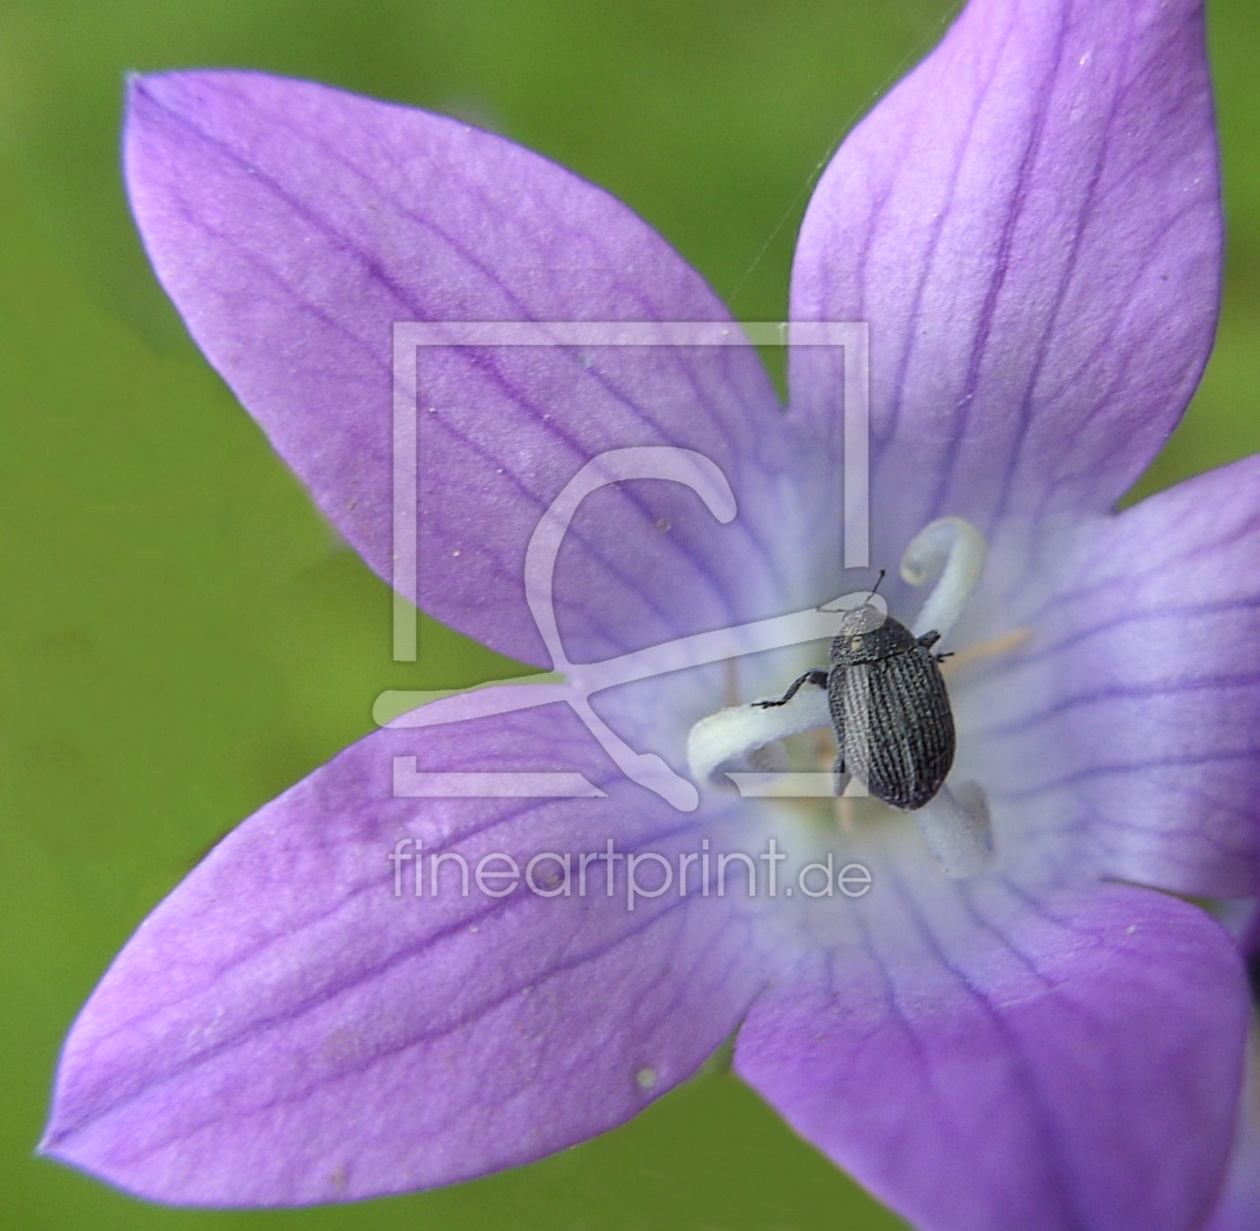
x,y
745,742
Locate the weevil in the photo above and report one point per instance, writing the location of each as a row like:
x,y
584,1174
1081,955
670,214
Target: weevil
x,y
889,707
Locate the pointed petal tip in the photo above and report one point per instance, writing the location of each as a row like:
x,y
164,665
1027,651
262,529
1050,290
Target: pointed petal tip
x,y
148,86
247,1047
1030,222
57,1145
295,226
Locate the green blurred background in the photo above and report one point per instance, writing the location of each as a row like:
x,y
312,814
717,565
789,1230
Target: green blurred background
x,y
181,637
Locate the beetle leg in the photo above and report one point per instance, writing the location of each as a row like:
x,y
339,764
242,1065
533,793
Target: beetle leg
x,y
929,639
817,678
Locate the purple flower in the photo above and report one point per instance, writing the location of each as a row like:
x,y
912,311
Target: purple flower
x,y
1030,225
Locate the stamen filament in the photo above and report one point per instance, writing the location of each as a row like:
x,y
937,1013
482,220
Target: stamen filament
x,y
958,549
745,736
956,829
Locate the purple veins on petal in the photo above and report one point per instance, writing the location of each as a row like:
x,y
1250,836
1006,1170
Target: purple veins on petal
x,y
984,1059
294,225
285,1029
1030,223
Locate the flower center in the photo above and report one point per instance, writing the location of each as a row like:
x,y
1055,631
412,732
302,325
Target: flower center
x,y
884,696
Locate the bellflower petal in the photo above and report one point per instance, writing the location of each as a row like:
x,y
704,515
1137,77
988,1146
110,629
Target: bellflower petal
x,y
293,224
1030,223
295,1025
1143,683
1069,1059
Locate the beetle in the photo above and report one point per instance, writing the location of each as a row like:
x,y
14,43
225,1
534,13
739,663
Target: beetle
x,y
889,708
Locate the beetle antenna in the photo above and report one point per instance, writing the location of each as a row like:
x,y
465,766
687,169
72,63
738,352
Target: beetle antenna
x,y
879,580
